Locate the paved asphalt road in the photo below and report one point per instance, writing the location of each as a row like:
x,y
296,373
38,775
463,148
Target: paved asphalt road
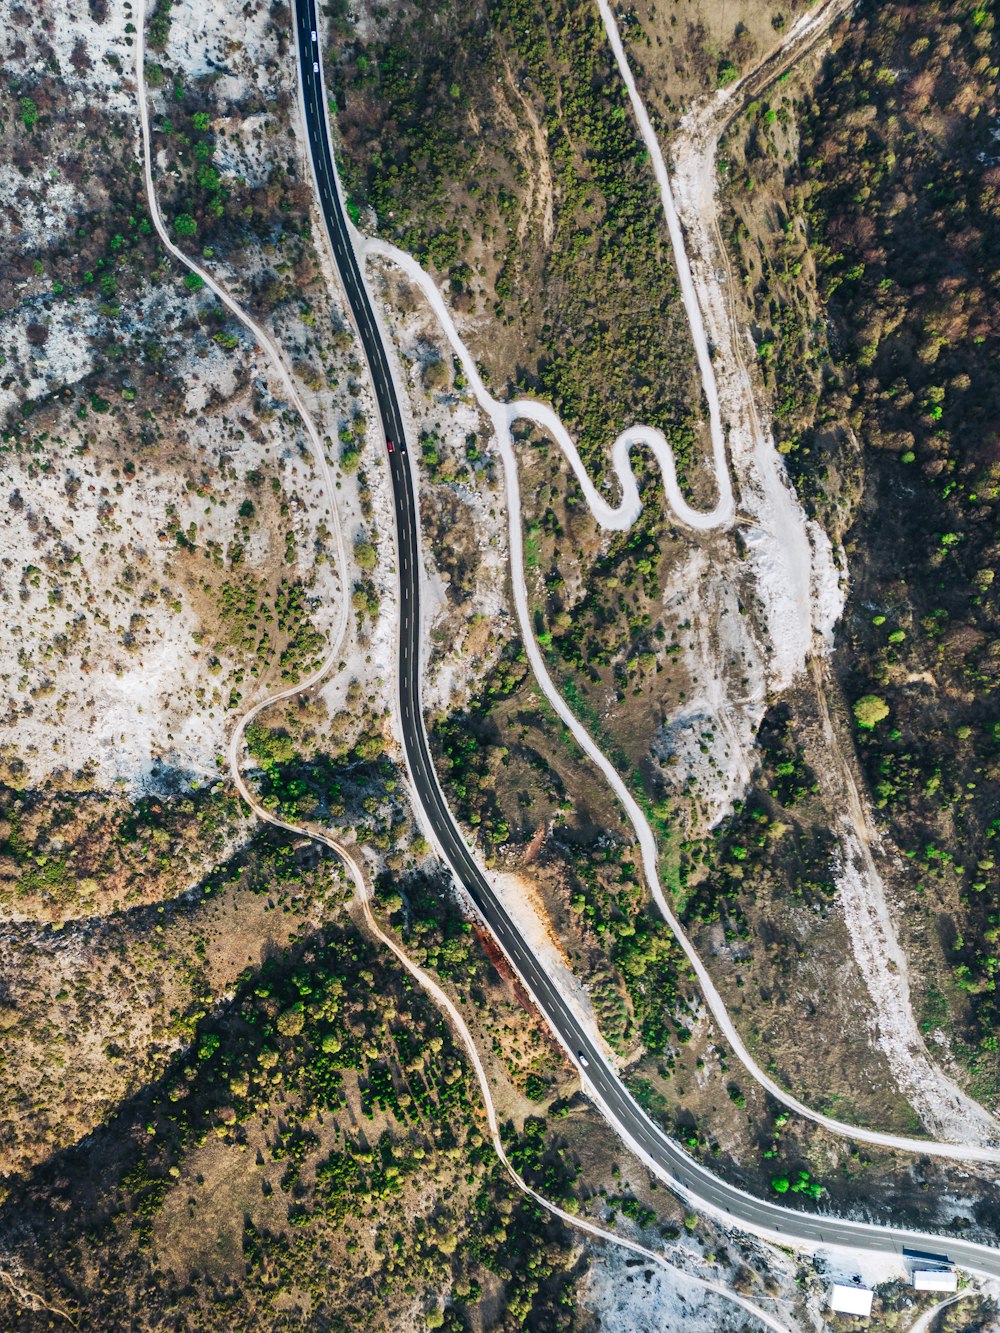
x,y
627,1117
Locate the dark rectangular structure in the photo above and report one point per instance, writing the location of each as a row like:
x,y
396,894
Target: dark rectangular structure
x,y
925,1257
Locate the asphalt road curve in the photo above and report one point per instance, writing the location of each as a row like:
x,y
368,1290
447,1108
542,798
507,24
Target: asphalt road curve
x,y
628,1119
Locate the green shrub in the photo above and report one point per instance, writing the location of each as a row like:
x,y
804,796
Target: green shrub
x,y
159,26
726,72
365,554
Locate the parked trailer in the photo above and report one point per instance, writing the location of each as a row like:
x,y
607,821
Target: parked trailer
x,y
935,1279
851,1298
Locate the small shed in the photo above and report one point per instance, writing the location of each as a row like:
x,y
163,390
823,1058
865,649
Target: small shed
x,y
935,1279
850,1298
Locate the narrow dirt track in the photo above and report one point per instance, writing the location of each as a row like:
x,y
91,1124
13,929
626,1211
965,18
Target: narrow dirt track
x,y
620,517
351,864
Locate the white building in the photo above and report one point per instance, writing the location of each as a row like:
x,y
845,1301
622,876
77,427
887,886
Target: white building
x,y
849,1298
935,1279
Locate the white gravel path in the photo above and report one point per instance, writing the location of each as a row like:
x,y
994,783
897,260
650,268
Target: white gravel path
x,y
353,868
803,596
796,577
502,416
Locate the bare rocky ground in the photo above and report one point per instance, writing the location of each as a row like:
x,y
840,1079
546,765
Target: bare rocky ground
x,y
160,492
164,556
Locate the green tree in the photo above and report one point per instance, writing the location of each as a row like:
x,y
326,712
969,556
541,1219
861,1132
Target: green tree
x,y
535,1088
185,225
208,1045
870,710
291,1022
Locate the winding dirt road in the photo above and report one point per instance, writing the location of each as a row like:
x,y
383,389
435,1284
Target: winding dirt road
x,y
544,417
620,517
350,863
